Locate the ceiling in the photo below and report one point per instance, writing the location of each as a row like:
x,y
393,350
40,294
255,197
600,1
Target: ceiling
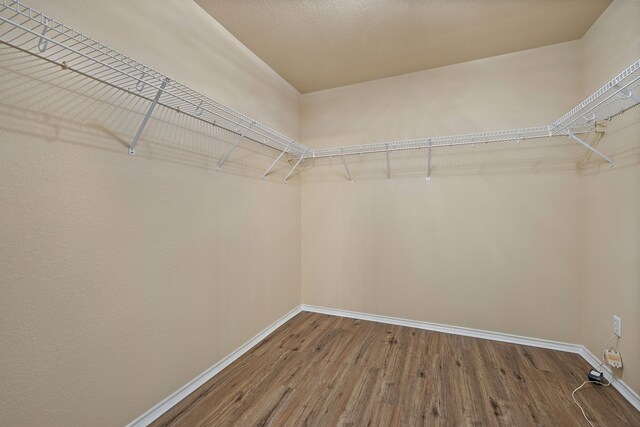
x,y
321,44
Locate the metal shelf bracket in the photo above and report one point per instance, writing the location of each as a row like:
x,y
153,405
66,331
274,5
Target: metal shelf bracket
x,y
275,162
346,166
286,178
429,162
134,141
388,165
594,150
235,145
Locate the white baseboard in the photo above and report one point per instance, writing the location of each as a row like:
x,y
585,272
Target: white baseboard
x,y
626,391
169,402
162,407
447,329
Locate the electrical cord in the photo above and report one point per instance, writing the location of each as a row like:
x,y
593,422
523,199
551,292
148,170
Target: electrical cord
x,y
573,395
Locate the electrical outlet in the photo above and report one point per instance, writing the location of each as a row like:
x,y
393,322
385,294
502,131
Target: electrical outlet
x,y
617,325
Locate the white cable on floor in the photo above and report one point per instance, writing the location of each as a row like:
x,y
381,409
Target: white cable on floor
x,y
573,395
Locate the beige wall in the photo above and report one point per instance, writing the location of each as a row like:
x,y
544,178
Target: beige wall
x,y
611,44
610,276
493,252
125,277
484,251
523,89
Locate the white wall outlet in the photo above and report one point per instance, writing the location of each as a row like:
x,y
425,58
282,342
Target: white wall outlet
x,y
617,325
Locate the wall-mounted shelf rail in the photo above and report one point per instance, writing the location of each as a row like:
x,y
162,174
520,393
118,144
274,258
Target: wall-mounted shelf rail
x,y
37,34
617,95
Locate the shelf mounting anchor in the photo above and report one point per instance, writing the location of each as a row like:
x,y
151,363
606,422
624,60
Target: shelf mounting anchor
x,y
346,166
134,141
295,166
429,162
286,150
596,151
235,145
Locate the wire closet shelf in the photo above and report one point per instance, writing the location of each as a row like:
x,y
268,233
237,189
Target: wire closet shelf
x,y
37,34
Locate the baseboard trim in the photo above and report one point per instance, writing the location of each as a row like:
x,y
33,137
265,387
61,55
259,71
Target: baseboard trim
x,y
173,399
448,329
626,391
170,401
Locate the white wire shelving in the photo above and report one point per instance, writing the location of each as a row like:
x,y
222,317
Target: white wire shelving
x,y
34,33
615,96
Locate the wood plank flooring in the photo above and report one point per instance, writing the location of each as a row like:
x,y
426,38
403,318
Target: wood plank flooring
x,y
321,370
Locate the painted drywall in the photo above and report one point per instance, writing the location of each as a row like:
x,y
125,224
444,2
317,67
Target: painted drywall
x,y
610,274
123,278
611,44
493,252
523,89
610,282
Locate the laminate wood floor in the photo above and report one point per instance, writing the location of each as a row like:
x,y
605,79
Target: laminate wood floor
x,y
324,370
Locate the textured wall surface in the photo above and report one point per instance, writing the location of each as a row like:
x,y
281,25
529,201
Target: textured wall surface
x,y
610,280
610,273
517,90
611,44
125,277
485,251
493,252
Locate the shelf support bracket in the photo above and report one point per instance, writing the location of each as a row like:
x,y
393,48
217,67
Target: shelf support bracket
x,y
346,166
286,178
388,165
286,150
594,150
429,162
134,141
235,145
